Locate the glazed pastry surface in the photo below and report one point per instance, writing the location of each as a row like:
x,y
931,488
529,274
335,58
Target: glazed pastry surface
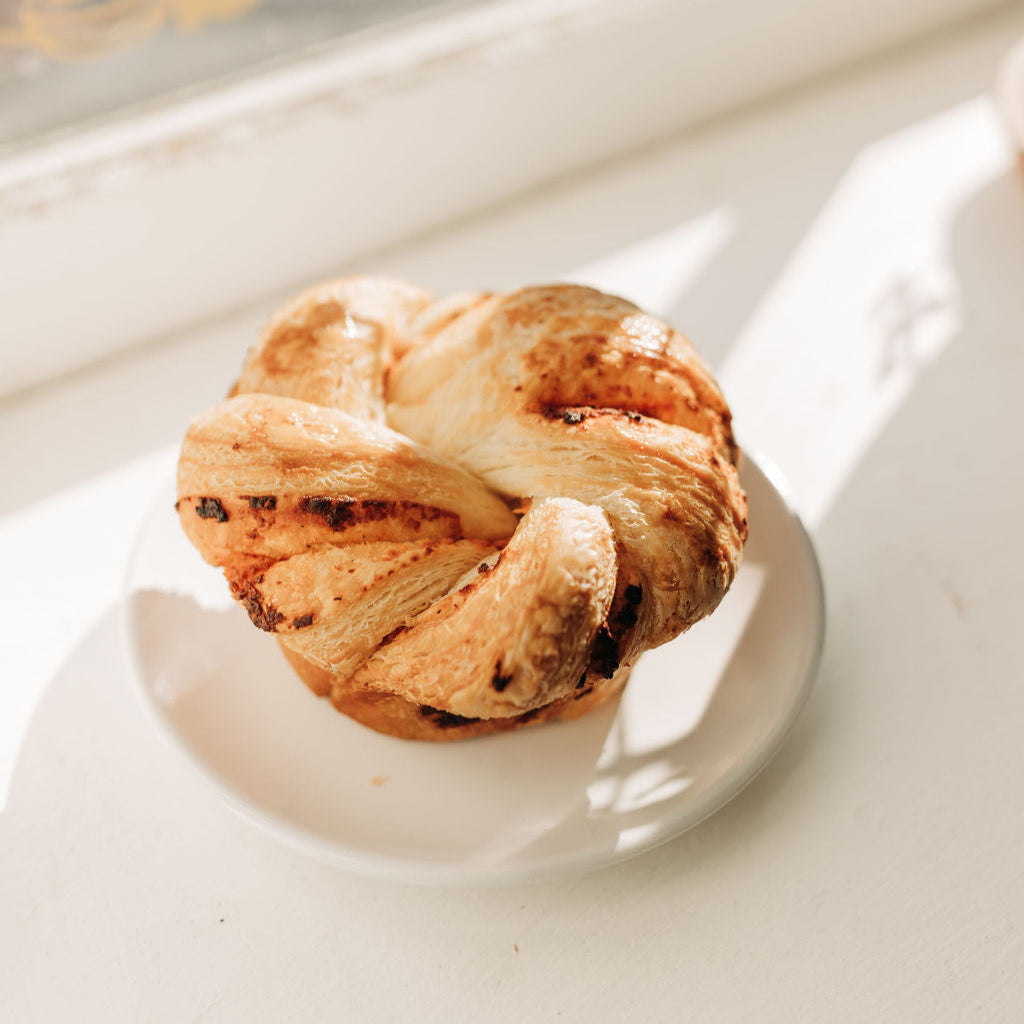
x,y
465,515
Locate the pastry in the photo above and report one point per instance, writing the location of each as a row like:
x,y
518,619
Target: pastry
x,y
461,516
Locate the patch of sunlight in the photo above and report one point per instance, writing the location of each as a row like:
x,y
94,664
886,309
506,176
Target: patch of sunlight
x,y
654,272
867,302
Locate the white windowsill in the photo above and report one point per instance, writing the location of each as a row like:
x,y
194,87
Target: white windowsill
x,y
133,229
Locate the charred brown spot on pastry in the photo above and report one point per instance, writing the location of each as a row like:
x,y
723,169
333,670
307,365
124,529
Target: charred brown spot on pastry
x,y
574,415
302,621
336,513
500,679
728,437
211,508
571,416
444,719
483,568
633,415
375,511
340,514
245,582
388,637
624,617
262,614
604,655
263,501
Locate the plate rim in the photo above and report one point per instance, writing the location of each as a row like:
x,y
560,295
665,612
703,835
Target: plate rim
x,y
454,874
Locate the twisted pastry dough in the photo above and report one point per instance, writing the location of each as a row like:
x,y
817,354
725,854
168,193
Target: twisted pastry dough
x,y
362,489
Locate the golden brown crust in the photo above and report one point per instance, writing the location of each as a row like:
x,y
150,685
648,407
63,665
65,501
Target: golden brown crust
x,y
333,344
566,391
387,558
273,476
396,716
516,636
570,348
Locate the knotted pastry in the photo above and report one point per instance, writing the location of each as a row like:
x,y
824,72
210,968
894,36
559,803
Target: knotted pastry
x,y
463,515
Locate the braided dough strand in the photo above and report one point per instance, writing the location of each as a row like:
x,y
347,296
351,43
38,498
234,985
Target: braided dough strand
x,y
566,391
463,515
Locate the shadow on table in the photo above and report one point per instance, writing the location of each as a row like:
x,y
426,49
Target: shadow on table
x,y
157,903
96,786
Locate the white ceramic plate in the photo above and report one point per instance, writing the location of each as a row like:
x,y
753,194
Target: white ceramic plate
x,y
699,718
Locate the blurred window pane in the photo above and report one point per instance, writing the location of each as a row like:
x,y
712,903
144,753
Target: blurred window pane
x,y
64,63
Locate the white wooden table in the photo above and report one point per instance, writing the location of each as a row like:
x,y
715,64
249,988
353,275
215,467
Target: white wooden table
x,y
851,258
